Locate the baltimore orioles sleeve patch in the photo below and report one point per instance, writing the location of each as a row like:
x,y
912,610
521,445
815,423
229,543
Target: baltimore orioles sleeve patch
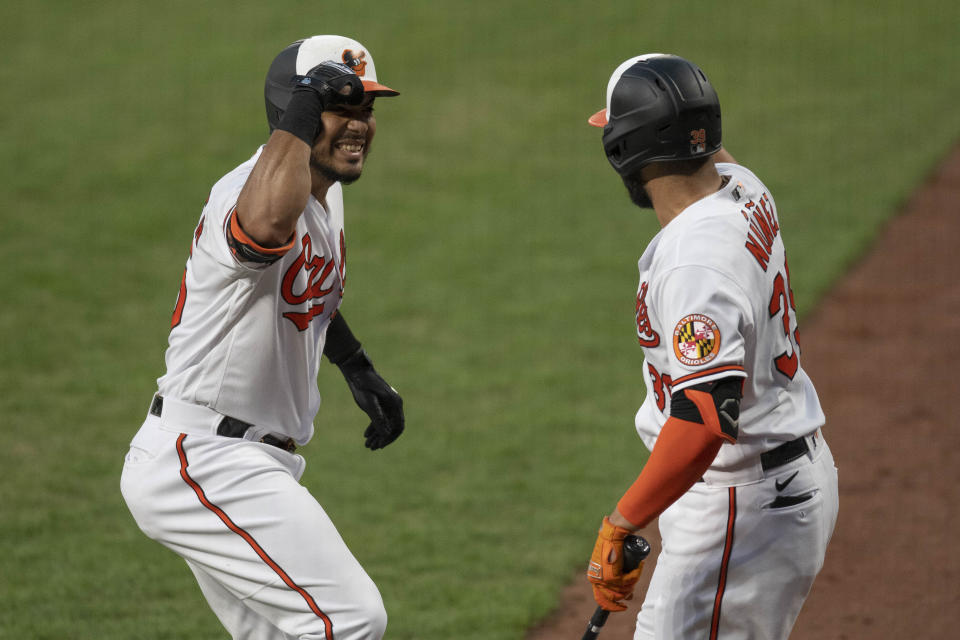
x,y
246,249
696,340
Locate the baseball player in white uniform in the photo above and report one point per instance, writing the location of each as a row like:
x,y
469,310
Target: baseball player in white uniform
x,y
213,474
739,471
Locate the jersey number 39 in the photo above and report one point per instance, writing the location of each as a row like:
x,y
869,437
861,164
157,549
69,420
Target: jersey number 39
x,y
782,300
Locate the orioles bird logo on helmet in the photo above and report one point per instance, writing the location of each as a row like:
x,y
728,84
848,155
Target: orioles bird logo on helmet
x,y
357,63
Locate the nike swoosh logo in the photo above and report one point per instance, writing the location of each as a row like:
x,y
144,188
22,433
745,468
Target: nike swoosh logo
x,y
783,485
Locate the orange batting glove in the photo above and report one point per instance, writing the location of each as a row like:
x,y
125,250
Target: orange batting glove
x,y
605,571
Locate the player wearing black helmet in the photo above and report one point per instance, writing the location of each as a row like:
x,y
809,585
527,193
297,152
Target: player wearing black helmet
x,y
739,472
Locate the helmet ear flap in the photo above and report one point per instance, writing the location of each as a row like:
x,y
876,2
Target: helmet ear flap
x,y
617,152
279,83
274,113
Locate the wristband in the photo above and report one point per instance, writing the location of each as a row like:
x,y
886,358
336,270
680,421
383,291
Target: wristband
x,y
302,117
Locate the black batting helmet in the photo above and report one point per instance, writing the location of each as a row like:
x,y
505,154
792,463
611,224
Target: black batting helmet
x,y
301,56
659,107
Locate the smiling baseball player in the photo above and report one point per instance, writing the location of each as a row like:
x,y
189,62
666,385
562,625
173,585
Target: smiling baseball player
x,y
739,472
212,474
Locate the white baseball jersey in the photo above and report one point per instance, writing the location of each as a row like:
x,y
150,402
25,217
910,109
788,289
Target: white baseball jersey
x,y
714,301
239,322
740,549
247,337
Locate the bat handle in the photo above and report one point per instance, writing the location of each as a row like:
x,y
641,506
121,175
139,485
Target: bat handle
x,y
597,620
635,549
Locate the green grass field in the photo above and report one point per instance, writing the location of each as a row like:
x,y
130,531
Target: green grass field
x,y
492,268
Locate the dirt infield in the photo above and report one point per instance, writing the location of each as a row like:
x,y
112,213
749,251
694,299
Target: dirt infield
x,y
881,349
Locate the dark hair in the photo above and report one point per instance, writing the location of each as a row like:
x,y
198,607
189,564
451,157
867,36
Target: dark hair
x,y
634,182
686,167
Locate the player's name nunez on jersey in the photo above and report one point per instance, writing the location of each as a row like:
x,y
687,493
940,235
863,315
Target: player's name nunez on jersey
x,y
763,230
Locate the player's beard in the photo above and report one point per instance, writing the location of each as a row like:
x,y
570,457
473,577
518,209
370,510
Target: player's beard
x,y
638,195
330,172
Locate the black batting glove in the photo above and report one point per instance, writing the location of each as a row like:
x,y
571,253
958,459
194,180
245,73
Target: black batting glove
x,y
324,86
379,400
333,82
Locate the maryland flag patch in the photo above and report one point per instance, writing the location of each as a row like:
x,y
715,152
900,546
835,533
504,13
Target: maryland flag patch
x,y
696,340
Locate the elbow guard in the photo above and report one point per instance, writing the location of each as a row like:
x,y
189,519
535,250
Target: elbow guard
x,y
716,405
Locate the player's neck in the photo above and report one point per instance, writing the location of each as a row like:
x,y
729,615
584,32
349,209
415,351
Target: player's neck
x,y
671,193
319,185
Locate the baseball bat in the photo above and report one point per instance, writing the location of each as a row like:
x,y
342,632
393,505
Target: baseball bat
x,y
635,549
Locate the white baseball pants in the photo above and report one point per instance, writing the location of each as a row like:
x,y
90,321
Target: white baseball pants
x,y
267,557
739,561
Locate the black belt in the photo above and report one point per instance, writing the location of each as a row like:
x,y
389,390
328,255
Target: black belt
x,y
787,452
779,456
233,428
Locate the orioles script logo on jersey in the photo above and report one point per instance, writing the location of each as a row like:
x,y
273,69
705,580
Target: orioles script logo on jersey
x,y
317,282
696,340
355,62
645,333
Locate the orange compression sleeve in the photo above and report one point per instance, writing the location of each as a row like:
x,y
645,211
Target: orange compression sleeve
x,y
681,455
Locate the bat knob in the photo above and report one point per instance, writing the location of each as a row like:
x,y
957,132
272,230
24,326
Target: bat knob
x,y
635,549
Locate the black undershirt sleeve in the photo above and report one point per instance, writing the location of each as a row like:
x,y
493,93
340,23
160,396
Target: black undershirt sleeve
x,y
341,343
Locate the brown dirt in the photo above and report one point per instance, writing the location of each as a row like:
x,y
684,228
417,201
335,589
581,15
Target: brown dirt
x,y
881,349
